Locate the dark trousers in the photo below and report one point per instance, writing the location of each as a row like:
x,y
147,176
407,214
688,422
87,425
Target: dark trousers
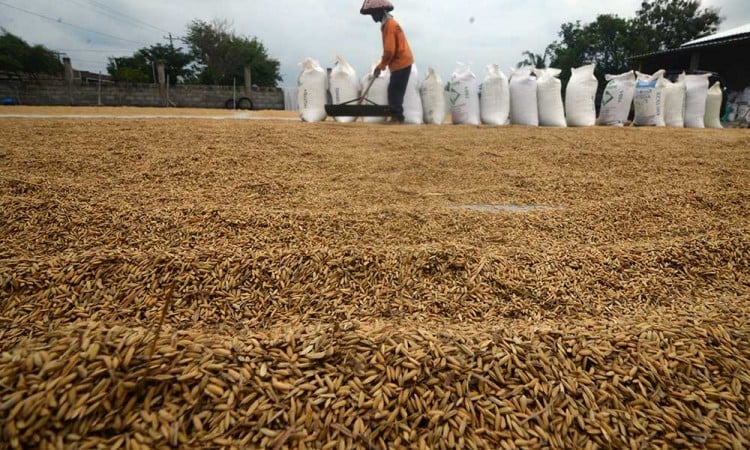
x,y
396,92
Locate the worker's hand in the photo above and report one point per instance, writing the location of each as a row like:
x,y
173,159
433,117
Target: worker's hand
x,y
376,72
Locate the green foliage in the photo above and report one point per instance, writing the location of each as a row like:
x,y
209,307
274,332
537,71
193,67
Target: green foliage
x,y
666,24
534,59
18,57
176,61
139,68
610,40
221,56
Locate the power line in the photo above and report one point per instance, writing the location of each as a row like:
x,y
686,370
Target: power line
x,y
88,61
132,19
131,22
82,50
70,24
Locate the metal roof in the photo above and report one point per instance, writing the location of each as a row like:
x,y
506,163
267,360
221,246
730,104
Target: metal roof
x,y
735,34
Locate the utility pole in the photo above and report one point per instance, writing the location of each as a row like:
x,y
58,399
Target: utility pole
x,y
171,44
60,55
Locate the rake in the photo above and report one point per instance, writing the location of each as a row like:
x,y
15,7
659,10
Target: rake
x,y
359,107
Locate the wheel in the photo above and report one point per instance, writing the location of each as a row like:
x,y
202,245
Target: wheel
x,y
229,104
244,103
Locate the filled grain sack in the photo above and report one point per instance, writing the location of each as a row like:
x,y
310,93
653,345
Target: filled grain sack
x,y
464,96
494,100
378,92
674,103
715,95
580,97
649,100
312,91
413,111
617,99
344,85
524,109
432,93
695,103
549,98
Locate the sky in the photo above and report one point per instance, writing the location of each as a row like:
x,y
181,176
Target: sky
x,y
441,33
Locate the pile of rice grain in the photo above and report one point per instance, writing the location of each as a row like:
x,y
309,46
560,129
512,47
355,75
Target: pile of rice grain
x,y
283,285
600,386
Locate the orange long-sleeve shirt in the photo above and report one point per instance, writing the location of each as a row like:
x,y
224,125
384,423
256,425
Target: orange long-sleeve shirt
x,y
396,52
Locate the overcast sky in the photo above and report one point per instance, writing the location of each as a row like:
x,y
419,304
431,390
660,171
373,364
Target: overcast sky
x,y
440,32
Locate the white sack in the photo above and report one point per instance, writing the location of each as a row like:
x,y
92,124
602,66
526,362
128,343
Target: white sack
x,y
695,104
674,106
549,98
649,100
524,109
432,93
580,97
494,101
311,93
713,106
464,96
617,99
378,92
413,111
344,86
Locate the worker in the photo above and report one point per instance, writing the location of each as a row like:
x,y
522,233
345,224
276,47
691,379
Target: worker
x,y
396,55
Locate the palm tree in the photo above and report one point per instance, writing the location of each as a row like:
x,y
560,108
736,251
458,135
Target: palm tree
x,y
534,59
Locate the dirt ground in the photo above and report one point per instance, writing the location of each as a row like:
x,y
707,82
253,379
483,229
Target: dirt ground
x,y
140,112
384,241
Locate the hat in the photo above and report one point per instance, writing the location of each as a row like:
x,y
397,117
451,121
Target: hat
x,y
370,6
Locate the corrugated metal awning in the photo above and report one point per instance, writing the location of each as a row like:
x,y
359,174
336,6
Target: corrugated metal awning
x,y
728,34
686,48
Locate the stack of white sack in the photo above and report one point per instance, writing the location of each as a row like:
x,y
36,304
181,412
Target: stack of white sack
x,y
580,97
464,96
674,103
494,101
413,112
649,100
617,99
549,96
695,104
524,109
378,92
311,93
712,118
344,86
432,93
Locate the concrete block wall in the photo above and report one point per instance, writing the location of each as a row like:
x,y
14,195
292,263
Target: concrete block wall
x,y
60,93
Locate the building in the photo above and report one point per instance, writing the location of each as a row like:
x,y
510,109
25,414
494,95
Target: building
x,y
724,53
87,77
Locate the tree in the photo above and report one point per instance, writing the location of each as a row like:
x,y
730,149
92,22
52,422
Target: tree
x,y
130,69
606,42
610,40
18,57
221,56
176,62
667,24
534,59
139,68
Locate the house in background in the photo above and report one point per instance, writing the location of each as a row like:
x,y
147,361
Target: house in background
x,y
724,53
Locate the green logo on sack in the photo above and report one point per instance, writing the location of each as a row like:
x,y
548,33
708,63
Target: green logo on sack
x,y
454,94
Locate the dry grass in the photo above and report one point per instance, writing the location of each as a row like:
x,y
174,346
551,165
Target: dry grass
x,y
325,291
